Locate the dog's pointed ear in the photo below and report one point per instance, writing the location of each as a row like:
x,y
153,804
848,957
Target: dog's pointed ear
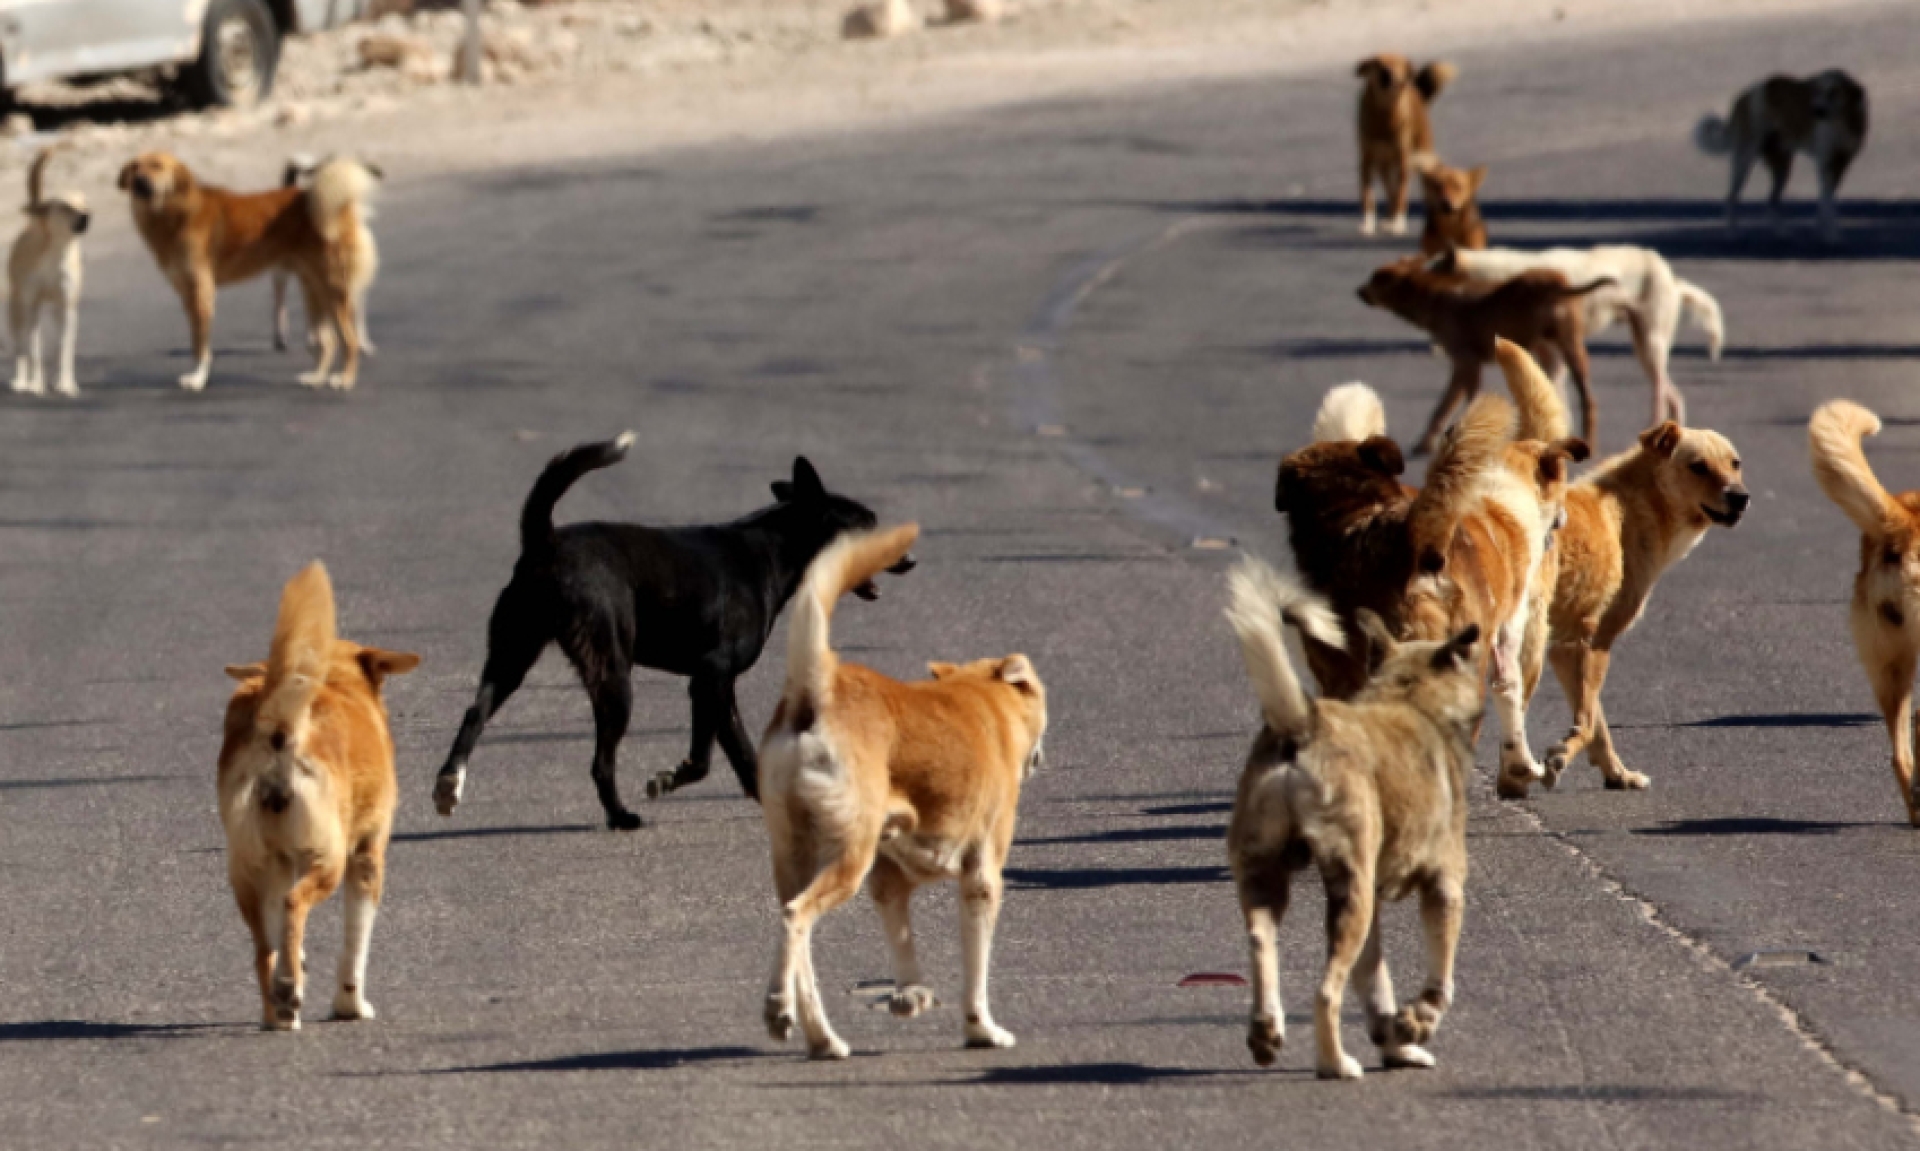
x,y
806,481
1457,654
379,664
940,669
1380,642
246,671
1476,177
126,176
1017,672
1662,440
1382,455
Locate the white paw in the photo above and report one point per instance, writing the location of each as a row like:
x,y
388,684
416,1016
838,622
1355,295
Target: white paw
x,y
194,381
778,1014
1347,1068
67,387
988,1035
833,1048
1397,226
1369,225
313,379
909,1001
27,385
340,382
447,789
348,1005
1407,1055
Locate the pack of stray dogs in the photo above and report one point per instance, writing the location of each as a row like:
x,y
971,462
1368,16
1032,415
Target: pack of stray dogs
x,y
1413,606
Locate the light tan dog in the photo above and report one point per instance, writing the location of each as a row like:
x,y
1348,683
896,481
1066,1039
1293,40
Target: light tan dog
x,y
1453,207
203,237
1886,592
1395,132
307,795
1632,518
298,173
1372,792
1824,116
911,782
44,275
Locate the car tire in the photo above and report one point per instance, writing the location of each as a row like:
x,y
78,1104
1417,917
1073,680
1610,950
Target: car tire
x,y
239,50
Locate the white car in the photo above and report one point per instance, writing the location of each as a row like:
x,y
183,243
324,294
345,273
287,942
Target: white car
x,y
214,52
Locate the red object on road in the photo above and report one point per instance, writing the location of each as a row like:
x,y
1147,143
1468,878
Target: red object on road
x,y
1213,979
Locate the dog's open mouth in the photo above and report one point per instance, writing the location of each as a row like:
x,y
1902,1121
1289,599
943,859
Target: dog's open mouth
x,y
1724,519
870,591
866,590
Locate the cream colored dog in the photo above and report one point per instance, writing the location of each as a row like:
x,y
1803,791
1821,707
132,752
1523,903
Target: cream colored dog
x,y
909,782
1372,792
44,275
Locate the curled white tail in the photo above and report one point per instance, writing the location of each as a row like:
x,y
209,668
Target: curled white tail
x,y
1699,306
1349,412
1259,601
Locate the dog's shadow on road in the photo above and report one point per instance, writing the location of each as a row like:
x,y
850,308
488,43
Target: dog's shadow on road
x,y
42,1030
1088,878
662,1060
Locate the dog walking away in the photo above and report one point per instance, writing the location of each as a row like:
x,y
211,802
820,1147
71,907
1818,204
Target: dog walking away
x,y
44,274
1395,133
299,174
1373,793
693,601
1824,116
908,783
1886,592
307,795
1645,293
1453,207
204,237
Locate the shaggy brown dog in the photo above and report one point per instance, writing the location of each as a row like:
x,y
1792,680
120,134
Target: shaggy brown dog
x,y
307,795
1537,310
911,782
1394,130
1886,592
1372,792
1453,212
1824,116
204,237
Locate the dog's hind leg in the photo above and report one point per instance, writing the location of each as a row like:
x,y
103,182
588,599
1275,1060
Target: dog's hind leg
x,y
1369,223
892,895
738,746
252,909
287,916
516,635
26,375
1653,347
611,690
1373,982
66,384
1265,888
1442,905
835,883
1518,768
280,310
1893,687
362,898
1349,921
980,887
1744,155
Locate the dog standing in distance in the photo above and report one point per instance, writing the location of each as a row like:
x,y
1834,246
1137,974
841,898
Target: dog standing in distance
x,y
307,795
1395,132
1824,116
204,236
908,782
1886,592
44,275
1372,792
299,174
693,601
1453,208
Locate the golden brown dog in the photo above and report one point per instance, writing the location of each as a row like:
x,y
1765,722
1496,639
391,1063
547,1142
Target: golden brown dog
x,y
1394,130
1886,592
307,795
1537,310
911,782
1631,519
1453,208
204,237
1372,792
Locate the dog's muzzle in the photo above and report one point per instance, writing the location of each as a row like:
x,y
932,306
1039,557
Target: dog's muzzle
x,y
906,564
1738,500
1365,297
142,188
866,590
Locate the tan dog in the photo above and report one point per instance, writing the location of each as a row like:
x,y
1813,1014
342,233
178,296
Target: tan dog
x,y
203,237
1394,130
1824,116
1632,518
1373,793
1453,208
44,273
298,173
307,795
1537,310
1886,593
911,782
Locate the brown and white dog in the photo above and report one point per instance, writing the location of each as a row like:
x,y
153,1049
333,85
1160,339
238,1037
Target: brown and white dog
x,y
299,173
910,783
1824,116
307,795
204,236
1453,208
1537,310
1632,518
1886,592
1645,293
1395,132
44,275
1372,792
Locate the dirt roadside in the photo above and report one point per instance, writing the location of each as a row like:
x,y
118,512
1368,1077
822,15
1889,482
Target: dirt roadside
x,y
614,77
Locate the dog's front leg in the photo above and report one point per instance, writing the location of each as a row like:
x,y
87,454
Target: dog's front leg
x,y
362,899
196,295
1518,769
979,909
1892,680
280,310
321,324
1374,983
1369,222
26,378
892,895
67,385
1400,177
1442,906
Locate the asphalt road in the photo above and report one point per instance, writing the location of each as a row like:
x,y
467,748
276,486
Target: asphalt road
x,y
1068,339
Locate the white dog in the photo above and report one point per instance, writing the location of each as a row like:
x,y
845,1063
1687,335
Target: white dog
x,y
43,273
1645,293
298,174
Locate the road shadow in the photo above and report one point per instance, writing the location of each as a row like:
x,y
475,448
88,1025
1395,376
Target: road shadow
x,y
73,1029
1092,1075
1090,878
1599,1093
81,781
1791,719
490,832
1221,807
663,1060
1752,825
1320,348
1210,831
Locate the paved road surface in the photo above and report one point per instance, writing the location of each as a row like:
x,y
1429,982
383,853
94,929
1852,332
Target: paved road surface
x,y
1167,277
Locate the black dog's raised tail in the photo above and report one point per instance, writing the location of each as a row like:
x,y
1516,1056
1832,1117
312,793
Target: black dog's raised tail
x,y
536,517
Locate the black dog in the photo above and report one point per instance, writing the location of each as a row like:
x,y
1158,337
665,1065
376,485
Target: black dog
x,y
695,601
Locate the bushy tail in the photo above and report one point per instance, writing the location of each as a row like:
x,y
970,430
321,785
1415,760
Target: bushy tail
x,y
848,562
1475,447
1259,601
1349,412
1543,410
1433,78
337,197
297,663
536,515
1712,136
1840,466
37,176
1704,312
